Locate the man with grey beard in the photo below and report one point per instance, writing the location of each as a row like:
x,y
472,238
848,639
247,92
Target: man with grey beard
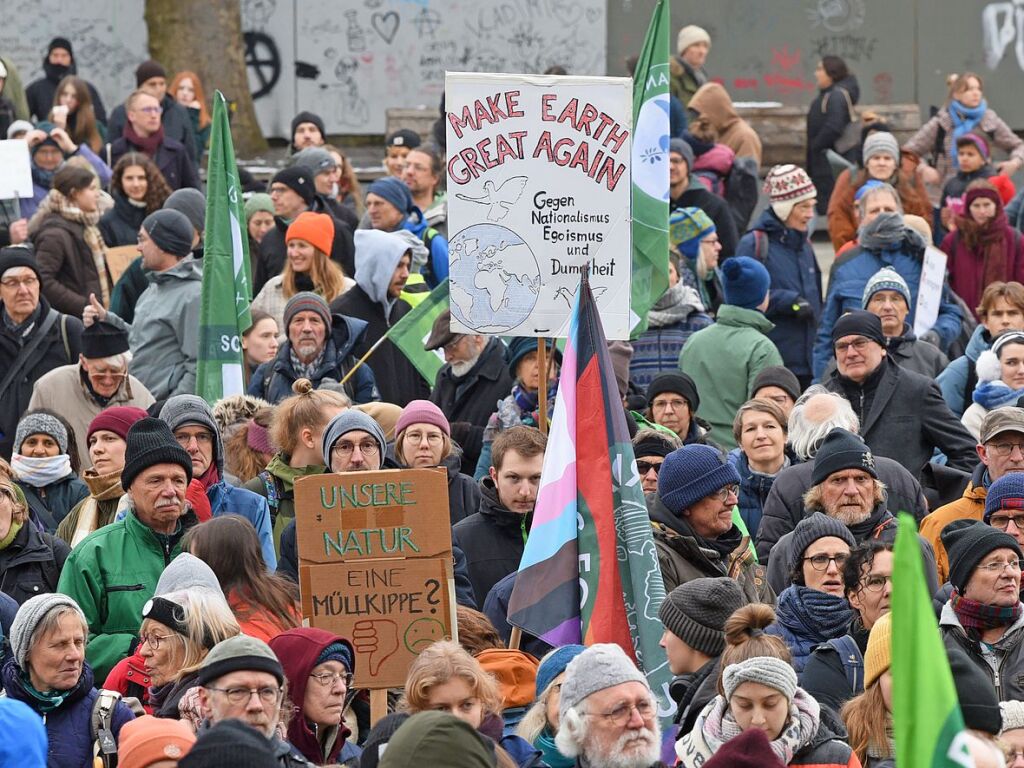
x,y
608,717
467,389
845,486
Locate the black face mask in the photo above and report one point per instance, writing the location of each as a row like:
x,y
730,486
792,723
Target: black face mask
x,y
55,72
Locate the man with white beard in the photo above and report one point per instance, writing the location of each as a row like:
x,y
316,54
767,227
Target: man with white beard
x,y
608,717
467,389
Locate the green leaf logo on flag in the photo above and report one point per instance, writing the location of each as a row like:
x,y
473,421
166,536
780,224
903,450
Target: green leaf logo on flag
x,y
224,312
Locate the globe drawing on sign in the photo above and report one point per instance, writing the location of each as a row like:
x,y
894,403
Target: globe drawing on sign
x,y
495,280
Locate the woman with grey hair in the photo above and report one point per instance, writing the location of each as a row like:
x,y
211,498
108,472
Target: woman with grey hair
x,y
48,672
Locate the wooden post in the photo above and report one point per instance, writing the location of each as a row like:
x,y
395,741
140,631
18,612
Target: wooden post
x,y
378,704
542,392
516,638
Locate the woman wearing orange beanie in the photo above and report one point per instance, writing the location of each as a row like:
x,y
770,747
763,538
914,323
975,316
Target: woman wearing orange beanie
x,y
308,267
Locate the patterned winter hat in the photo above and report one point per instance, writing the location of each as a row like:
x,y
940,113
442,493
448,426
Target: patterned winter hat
x,y
886,279
787,185
687,227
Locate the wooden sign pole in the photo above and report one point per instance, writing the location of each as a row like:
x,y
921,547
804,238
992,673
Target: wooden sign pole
x,y
378,704
542,392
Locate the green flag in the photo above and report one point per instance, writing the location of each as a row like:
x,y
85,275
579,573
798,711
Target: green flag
x,y
410,333
224,313
650,170
926,715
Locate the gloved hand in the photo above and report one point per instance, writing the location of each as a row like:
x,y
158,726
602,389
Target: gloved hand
x,y
932,338
802,308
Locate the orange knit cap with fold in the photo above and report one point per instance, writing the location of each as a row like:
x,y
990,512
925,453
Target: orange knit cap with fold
x,y
317,229
148,740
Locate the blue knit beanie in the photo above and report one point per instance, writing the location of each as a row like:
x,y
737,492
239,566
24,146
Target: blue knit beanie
x,y
692,472
337,651
687,227
554,664
1005,493
745,281
395,192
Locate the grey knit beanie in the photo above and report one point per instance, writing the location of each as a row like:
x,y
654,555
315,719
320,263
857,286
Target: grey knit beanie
x,y
601,666
767,670
809,530
170,230
40,424
350,421
696,612
191,203
30,615
186,572
239,653
192,409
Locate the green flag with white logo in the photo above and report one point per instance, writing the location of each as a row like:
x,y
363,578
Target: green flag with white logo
x,y
650,169
411,332
224,312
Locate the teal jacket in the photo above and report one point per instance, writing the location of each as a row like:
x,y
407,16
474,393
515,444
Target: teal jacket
x,y
111,574
723,360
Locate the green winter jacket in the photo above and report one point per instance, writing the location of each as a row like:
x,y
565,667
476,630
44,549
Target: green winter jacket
x,y
723,360
111,574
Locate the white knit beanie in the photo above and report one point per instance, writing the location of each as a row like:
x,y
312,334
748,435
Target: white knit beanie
x,y
691,34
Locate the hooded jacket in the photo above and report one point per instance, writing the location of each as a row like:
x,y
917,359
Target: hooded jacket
x,y
273,379
796,276
120,225
712,101
377,257
165,343
225,499
437,265
31,564
39,93
68,727
725,358
298,651
958,379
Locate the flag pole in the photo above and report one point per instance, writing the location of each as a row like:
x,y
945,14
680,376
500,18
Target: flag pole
x,y
362,359
542,392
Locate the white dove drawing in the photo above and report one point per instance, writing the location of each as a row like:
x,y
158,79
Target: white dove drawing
x,y
499,199
570,293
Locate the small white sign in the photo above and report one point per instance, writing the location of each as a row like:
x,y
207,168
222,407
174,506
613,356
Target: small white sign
x,y
15,170
929,292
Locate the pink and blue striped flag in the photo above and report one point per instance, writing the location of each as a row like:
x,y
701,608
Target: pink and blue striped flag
x,y
590,571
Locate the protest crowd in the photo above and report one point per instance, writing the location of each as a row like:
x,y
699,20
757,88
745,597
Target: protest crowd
x,y
781,420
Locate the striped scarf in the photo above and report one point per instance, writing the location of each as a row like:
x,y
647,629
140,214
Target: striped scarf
x,y
980,616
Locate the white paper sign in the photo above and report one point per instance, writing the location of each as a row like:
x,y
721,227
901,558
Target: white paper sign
x,y
15,170
929,292
538,188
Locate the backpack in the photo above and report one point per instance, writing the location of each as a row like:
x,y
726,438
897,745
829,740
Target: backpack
x,y
761,245
101,726
853,661
742,188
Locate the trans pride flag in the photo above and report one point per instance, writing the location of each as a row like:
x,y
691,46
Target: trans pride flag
x,y
590,572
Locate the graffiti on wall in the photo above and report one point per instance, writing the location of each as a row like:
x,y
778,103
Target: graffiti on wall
x,y
1002,24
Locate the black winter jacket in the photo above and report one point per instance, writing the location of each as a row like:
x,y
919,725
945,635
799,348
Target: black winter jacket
x,y
273,249
49,505
172,158
824,676
31,564
784,507
827,116
120,225
694,692
175,120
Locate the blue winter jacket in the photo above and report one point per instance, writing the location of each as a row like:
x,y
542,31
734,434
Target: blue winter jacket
x,y
850,274
754,489
953,379
226,499
795,274
69,727
273,380
438,249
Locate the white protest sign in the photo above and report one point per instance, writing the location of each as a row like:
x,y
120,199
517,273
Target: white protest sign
x,y
15,170
929,292
538,189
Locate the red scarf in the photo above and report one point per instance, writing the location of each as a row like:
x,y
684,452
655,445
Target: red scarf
x,y
195,495
148,144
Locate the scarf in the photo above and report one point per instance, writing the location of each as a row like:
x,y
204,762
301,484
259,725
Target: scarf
x,y
807,617
306,370
57,203
716,725
976,616
995,394
287,474
40,472
885,232
675,305
545,742
21,330
103,487
148,144
42,178
210,477
521,407
44,703
5,542
964,120
991,243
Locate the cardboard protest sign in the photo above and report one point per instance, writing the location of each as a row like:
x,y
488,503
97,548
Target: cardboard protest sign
x,y
375,565
538,190
15,170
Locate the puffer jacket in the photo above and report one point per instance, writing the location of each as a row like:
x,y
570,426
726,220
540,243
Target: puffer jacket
x,y
958,379
69,726
849,276
970,506
790,260
1004,660
111,574
683,556
31,564
51,504
165,345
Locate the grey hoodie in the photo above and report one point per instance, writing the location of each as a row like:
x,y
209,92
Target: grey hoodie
x,y
377,257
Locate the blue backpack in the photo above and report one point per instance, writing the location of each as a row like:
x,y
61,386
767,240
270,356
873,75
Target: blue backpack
x,y
853,661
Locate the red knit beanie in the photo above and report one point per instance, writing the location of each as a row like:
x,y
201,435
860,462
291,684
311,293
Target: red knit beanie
x,y
317,229
118,420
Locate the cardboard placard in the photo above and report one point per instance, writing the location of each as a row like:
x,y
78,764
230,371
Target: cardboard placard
x,y
392,513
15,170
390,610
119,258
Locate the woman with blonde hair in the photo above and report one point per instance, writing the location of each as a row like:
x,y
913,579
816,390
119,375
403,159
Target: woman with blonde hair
x,y
249,449
868,717
178,630
30,561
187,89
758,689
73,111
308,267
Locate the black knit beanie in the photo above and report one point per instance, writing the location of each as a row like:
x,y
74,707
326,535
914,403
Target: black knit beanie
x,y
978,700
696,612
841,449
777,376
150,442
677,383
859,322
967,543
230,742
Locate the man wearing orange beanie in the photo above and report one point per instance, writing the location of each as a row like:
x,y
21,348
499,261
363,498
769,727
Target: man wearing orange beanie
x,y
151,741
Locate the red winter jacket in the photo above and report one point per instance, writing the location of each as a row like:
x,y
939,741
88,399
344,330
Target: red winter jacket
x,y
129,678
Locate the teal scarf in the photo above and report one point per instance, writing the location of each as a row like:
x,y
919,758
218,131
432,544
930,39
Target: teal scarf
x,y
44,703
545,742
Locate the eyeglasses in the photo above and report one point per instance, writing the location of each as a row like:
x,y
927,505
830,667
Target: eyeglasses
x,y
858,346
13,282
268,694
100,373
999,566
1012,753
621,714
366,447
876,583
452,345
723,494
1002,522
676,403
202,438
328,679
151,110
154,640
1005,449
433,439
643,467
820,562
